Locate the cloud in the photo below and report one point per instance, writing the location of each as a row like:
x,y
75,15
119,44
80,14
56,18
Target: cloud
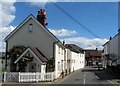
x,y
86,43
4,31
63,32
42,3
7,10
7,15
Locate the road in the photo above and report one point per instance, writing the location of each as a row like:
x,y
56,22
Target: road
x,y
87,76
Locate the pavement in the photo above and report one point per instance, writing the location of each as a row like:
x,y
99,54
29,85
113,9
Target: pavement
x,y
86,76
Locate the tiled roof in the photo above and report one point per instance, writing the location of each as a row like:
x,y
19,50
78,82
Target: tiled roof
x,y
74,48
94,53
39,54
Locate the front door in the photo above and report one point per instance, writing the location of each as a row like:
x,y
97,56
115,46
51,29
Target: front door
x,y
32,67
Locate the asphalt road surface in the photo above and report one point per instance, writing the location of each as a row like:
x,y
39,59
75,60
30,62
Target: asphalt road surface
x,y
88,76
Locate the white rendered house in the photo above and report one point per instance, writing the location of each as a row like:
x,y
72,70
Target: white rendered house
x,y
40,46
75,57
112,50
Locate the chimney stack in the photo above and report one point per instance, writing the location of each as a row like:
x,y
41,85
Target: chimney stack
x,y
41,17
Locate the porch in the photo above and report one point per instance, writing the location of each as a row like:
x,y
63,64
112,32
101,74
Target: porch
x,y
31,60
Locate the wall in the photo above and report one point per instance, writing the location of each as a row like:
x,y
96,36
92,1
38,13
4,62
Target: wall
x,y
75,60
107,48
68,56
38,65
78,61
59,60
38,38
114,45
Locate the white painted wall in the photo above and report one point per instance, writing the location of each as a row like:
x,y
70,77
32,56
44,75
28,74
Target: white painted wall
x,y
38,38
106,52
68,56
75,60
38,65
78,61
114,45
59,60
107,48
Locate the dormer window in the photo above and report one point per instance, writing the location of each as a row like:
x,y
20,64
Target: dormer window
x,y
30,28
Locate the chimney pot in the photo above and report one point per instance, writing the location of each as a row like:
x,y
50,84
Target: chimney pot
x,y
41,17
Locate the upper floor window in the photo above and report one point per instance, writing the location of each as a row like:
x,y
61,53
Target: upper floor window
x,y
62,51
58,49
30,28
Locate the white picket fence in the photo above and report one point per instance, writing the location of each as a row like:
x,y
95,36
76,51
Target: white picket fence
x,y
26,77
1,76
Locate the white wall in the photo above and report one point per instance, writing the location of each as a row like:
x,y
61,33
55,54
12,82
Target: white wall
x,y
59,60
78,61
107,48
38,38
38,65
75,60
114,45
68,56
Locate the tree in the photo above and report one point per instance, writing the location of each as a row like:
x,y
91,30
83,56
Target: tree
x,y
51,65
14,53
113,57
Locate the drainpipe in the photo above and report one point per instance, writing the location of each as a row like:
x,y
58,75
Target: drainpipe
x,y
6,55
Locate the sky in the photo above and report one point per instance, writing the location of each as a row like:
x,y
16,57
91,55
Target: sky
x,y
100,18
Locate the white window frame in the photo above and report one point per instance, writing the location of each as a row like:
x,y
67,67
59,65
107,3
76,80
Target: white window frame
x,y
30,28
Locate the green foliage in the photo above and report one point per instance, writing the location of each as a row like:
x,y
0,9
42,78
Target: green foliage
x,y
51,65
4,70
14,53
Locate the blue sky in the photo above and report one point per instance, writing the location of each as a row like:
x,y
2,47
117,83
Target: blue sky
x,y
99,17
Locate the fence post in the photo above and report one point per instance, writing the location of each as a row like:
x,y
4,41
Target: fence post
x,y
37,76
4,76
18,76
52,76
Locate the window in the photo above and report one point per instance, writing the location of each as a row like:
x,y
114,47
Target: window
x,y
58,49
58,66
62,64
62,51
30,28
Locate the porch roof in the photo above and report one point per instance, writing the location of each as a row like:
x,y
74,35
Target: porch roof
x,y
36,53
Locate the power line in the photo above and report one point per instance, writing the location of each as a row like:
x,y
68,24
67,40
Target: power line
x,y
75,20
